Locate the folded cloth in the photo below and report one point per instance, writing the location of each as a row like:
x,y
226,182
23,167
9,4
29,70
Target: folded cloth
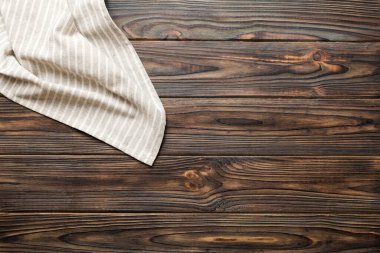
x,y
69,61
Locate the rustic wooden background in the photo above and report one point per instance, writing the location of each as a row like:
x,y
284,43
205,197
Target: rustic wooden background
x,y
272,141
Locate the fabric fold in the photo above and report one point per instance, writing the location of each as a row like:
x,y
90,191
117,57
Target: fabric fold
x,y
69,61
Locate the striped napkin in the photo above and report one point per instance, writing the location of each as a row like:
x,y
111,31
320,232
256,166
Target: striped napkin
x,y
69,61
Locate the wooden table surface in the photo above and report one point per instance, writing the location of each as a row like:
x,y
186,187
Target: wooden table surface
x,y
272,141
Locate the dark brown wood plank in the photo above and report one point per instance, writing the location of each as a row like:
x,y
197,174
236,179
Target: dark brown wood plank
x,y
248,20
190,184
218,126
298,69
170,232
262,69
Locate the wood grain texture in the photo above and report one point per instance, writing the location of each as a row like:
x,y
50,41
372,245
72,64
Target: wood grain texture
x,y
169,232
248,20
191,184
297,69
271,146
218,126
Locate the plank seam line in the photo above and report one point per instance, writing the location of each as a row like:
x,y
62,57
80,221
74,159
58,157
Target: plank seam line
x,y
376,97
332,214
197,155
256,41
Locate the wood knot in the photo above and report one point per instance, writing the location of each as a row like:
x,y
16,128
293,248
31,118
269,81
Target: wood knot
x,y
319,56
194,180
192,186
191,174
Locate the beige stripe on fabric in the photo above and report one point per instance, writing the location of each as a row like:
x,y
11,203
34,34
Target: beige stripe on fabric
x,y
68,60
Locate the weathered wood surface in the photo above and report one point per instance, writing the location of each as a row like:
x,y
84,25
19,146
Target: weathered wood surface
x,y
248,20
272,143
140,232
191,184
218,126
297,69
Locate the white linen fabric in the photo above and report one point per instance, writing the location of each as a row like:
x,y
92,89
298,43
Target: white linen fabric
x,y
69,61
